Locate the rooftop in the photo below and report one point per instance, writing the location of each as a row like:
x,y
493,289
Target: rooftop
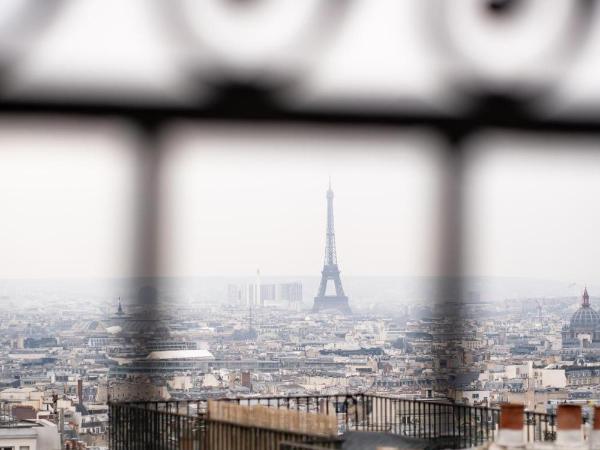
x,y
180,354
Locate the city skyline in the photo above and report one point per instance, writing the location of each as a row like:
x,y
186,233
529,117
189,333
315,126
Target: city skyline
x,y
173,257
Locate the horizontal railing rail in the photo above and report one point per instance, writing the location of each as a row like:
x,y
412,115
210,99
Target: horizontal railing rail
x,y
222,435
290,445
185,423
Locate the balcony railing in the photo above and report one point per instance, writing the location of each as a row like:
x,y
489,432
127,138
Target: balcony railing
x,y
186,424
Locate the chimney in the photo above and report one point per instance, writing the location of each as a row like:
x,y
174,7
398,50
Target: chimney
x,y
246,379
510,432
80,391
569,425
595,435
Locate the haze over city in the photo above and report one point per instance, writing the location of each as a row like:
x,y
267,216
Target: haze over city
x,y
272,225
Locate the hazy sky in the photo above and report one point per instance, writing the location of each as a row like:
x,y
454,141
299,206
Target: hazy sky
x,y
65,197
533,208
245,200
233,202
236,201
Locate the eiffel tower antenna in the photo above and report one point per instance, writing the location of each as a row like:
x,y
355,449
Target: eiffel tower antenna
x,y
331,272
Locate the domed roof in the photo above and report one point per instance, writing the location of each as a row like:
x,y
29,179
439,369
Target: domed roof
x,y
585,318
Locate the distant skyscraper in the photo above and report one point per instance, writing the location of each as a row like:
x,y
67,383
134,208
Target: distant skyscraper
x,y
290,292
257,299
234,294
267,292
331,273
271,294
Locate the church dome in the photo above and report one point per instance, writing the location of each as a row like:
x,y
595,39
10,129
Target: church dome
x,y
585,318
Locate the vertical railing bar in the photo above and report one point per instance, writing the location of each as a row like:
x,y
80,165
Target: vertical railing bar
x,y
355,413
346,411
429,421
465,430
421,427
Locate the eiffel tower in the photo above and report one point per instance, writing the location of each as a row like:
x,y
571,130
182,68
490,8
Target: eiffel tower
x,y
331,272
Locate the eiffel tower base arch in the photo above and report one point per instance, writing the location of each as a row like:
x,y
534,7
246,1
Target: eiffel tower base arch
x,y
332,304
